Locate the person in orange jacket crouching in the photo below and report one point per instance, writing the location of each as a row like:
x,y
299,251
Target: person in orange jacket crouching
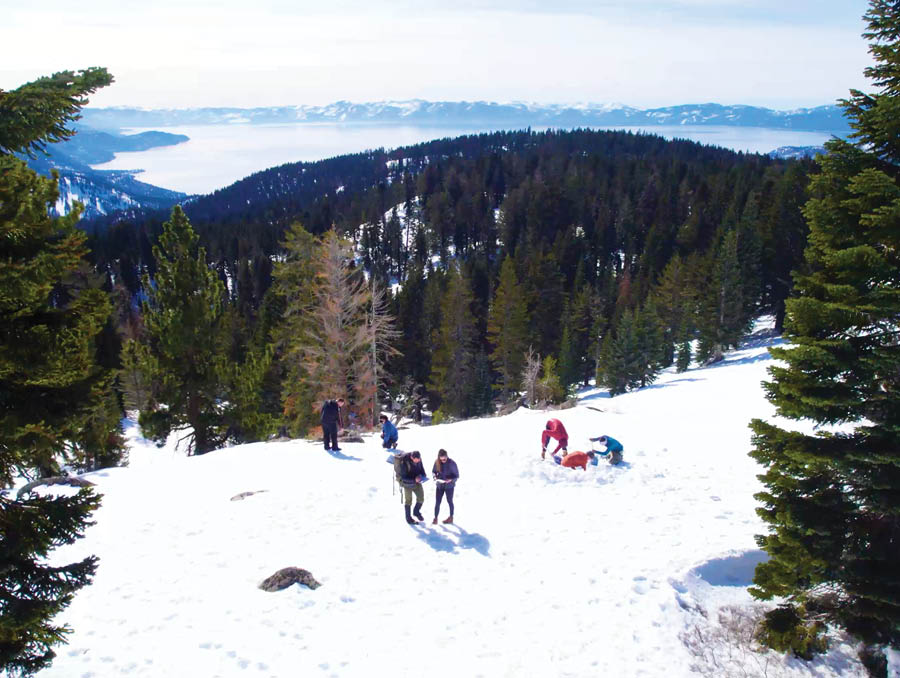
x,y
575,459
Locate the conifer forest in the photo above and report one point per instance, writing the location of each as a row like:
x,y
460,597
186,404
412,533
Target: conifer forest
x,y
603,254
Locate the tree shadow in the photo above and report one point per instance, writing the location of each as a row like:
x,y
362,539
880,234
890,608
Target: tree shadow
x,y
742,361
669,383
595,396
736,570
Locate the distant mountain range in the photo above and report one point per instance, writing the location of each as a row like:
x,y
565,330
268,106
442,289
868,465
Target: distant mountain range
x,y
827,118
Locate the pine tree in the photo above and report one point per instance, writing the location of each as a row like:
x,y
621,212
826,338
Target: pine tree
x,y
575,367
675,298
53,395
683,361
183,357
295,282
832,499
725,314
549,387
453,364
614,360
507,328
647,356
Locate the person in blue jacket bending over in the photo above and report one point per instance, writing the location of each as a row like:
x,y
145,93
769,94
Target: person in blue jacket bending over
x,y
389,434
614,448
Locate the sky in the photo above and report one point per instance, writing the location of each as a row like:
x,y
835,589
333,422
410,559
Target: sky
x,y
625,570
780,54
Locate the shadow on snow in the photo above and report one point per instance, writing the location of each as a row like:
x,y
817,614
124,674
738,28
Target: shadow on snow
x,y
443,540
337,454
731,570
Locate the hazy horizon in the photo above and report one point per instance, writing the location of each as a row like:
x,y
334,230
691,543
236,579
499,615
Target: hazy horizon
x,y
642,53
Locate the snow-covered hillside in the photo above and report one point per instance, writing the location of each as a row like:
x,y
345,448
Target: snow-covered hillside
x,y
616,571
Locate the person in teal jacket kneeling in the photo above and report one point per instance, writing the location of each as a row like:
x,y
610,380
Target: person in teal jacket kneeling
x,y
614,448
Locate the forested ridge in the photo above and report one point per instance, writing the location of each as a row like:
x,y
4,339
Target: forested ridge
x,y
623,248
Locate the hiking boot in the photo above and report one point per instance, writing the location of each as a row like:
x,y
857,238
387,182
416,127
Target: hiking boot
x,y
409,518
543,454
448,520
418,513
434,522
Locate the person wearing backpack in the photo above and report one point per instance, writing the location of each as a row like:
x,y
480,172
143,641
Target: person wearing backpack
x,y
410,474
614,448
445,474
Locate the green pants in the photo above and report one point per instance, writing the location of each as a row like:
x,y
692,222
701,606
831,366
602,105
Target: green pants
x,y
408,493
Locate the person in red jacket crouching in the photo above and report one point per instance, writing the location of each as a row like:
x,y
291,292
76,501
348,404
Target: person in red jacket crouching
x,y
557,431
575,459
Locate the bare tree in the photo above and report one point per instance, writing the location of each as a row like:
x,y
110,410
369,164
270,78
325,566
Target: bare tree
x,y
377,333
333,341
344,349
530,375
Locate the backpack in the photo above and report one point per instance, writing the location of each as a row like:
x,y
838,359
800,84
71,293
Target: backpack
x,y
399,460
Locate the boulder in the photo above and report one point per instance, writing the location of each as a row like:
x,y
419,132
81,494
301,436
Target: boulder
x,y
287,576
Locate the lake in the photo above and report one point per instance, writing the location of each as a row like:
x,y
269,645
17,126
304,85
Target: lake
x,y
218,155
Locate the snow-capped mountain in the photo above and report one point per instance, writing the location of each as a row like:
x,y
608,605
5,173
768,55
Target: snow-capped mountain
x,y
461,113
794,152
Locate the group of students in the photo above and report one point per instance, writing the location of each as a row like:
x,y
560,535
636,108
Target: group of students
x,y
555,429
410,472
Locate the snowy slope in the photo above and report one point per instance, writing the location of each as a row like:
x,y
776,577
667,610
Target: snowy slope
x,y
547,571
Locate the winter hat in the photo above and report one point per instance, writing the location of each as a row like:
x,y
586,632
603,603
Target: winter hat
x,y
415,454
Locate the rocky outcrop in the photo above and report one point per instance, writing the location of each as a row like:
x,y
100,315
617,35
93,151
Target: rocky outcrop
x,y
288,576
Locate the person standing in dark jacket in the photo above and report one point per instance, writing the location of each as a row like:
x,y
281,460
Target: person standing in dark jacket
x,y
445,474
411,473
331,422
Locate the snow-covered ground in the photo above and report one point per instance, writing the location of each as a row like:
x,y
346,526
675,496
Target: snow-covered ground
x,y
616,571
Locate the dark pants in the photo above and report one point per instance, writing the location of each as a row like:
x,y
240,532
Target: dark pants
x,y
389,443
443,489
330,433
